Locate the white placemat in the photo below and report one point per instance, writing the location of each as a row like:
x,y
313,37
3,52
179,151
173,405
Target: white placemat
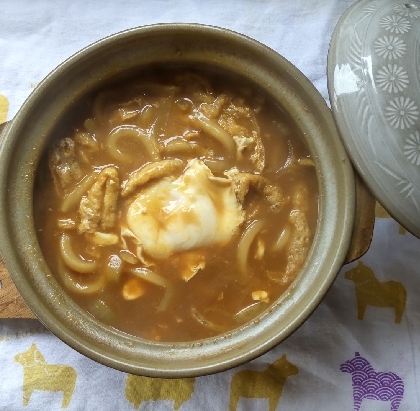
x,y
335,361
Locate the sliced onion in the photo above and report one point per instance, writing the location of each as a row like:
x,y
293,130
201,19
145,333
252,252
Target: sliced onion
x,y
128,256
213,129
100,238
128,131
244,245
177,145
114,268
216,165
206,323
248,313
156,279
73,198
282,240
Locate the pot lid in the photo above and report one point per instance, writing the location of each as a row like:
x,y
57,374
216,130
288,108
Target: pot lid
x,y
374,87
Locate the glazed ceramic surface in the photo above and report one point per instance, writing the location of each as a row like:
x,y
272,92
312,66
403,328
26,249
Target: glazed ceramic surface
x,y
90,69
374,84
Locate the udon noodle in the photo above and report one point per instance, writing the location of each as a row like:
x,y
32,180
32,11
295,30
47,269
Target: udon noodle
x,y
180,206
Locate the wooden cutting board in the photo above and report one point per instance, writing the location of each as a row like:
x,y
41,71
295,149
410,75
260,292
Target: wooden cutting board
x,y
11,303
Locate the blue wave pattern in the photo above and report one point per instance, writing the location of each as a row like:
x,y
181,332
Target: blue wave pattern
x,y
367,383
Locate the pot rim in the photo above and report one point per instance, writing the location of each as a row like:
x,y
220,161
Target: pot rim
x,y
55,309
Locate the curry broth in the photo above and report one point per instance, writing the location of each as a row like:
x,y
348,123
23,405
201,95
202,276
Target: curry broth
x,y
176,110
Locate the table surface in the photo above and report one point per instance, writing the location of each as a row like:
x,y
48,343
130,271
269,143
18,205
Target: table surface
x,y
343,357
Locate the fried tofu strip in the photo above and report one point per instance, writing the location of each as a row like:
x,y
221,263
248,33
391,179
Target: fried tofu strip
x,y
301,236
98,208
149,172
244,181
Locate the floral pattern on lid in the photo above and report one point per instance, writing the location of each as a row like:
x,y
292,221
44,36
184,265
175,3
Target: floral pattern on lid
x,y
395,24
392,78
390,47
374,84
412,148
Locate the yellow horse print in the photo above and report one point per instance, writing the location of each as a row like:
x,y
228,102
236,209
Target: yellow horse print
x,y
380,212
139,389
39,375
4,108
371,291
268,383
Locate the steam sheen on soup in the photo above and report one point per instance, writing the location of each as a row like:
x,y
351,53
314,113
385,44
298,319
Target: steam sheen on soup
x,y
180,207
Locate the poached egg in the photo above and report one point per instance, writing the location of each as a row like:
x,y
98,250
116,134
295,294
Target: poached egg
x,y
195,210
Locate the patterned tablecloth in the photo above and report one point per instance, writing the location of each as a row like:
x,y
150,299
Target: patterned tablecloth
x,y
359,349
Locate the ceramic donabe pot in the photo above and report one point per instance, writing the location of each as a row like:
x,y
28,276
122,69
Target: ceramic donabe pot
x,y
189,45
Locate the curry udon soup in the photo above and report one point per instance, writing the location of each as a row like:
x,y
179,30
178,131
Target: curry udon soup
x,y
181,206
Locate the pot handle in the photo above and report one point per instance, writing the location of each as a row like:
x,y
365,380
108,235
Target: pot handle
x,y
363,223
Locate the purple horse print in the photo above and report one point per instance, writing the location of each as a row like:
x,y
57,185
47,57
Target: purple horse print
x,y
367,383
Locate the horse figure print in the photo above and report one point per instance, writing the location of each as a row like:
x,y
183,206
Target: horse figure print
x,y
139,389
39,375
371,291
370,384
267,383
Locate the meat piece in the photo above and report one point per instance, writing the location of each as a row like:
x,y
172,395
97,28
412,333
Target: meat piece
x,y
301,235
242,143
64,165
244,181
231,115
133,289
260,295
86,140
274,196
85,144
97,210
149,172
213,110
190,263
196,85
